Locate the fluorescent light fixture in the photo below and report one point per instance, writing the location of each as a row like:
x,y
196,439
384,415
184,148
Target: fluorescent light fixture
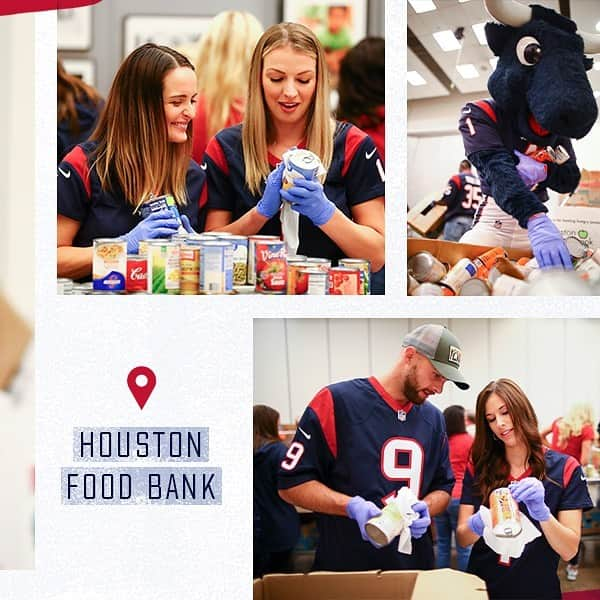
x,y
446,40
598,26
421,6
480,33
415,78
494,62
467,71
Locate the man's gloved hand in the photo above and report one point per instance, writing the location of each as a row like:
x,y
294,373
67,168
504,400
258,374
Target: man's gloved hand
x,y
419,526
547,243
476,524
156,225
531,492
270,202
361,511
530,170
307,198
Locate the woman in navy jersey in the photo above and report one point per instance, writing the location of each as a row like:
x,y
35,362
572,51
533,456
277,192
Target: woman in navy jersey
x,y
549,487
141,148
288,107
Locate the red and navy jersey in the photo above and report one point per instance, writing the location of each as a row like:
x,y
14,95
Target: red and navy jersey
x,y
533,574
358,440
462,196
355,176
104,213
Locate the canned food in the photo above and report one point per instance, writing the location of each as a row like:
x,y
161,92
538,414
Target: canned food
x,y
143,247
428,289
424,267
462,271
484,262
506,285
165,202
317,282
475,287
296,258
297,279
109,264
137,273
324,264
195,239
383,528
365,268
189,270
64,286
300,163
576,248
589,270
506,518
240,258
343,281
271,267
163,267
411,284
252,240
216,267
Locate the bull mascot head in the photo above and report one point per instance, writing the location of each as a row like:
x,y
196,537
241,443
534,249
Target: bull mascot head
x,y
541,72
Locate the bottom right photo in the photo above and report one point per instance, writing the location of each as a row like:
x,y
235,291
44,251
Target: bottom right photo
x,y
404,458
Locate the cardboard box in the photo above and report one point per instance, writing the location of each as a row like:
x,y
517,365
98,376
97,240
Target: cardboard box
x,y
370,585
588,190
14,337
583,222
423,219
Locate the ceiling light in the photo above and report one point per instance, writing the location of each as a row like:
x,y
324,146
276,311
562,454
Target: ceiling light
x,y
415,78
467,71
478,29
446,40
421,6
598,26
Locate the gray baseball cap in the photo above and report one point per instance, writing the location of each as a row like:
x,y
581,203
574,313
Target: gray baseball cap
x,y
441,347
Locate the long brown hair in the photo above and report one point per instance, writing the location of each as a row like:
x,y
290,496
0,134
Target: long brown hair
x,y
257,129
266,422
133,149
489,459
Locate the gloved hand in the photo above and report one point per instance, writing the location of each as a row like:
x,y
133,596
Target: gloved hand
x,y
419,526
361,511
270,202
476,524
531,492
547,243
307,198
186,224
530,170
155,225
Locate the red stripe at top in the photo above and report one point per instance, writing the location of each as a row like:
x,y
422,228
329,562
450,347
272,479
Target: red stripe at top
x,y
570,465
78,160
485,107
11,7
215,152
354,139
322,404
392,402
456,180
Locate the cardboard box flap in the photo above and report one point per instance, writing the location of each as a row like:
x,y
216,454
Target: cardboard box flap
x,y
14,337
432,584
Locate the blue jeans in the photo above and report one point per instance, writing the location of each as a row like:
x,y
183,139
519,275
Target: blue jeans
x,y
445,524
455,228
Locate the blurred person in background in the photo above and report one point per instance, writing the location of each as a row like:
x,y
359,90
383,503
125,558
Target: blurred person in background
x,y
78,109
222,67
470,422
459,444
276,523
336,38
361,89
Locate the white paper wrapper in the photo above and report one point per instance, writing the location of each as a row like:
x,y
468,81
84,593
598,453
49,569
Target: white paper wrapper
x,y
290,228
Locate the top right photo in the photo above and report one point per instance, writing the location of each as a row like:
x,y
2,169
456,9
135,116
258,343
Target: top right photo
x,y
503,185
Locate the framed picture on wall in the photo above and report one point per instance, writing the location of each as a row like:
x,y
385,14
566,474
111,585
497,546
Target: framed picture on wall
x,y
74,28
179,32
83,68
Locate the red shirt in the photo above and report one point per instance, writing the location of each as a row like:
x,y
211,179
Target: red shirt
x,y
459,449
572,445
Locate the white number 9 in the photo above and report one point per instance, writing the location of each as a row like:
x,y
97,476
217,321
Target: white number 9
x,y
292,456
413,472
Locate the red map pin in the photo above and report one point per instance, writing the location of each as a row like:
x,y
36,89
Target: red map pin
x,y
141,382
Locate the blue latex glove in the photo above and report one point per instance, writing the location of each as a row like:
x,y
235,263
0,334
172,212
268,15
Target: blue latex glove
x,y
269,204
419,526
361,511
155,225
530,170
475,523
186,224
307,198
547,243
531,492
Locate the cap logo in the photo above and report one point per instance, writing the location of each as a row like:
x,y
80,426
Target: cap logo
x,y
454,355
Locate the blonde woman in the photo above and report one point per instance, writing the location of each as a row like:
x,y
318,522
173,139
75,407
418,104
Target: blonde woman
x,y
222,67
140,148
288,106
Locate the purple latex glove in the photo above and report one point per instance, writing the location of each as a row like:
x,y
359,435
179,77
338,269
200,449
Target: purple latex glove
x,y
269,204
186,224
547,243
361,511
156,225
531,492
307,198
419,526
476,524
530,170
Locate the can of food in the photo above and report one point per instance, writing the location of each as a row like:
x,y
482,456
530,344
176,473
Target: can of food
x,y
271,267
153,205
252,240
428,289
318,263
343,281
297,279
365,268
179,237
506,518
216,267
137,273
195,239
484,262
64,286
109,264
216,234
424,267
386,526
576,248
317,282
240,258
505,285
589,270
462,271
300,163
143,247
475,287
411,284
296,258
189,270
163,267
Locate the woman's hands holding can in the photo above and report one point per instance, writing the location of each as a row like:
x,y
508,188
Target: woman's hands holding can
x,y
270,202
308,198
361,511
531,492
156,225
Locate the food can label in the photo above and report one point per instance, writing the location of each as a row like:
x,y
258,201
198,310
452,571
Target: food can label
x,y
137,274
343,282
216,268
109,264
271,267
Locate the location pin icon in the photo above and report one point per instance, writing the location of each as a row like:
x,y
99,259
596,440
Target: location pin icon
x,y
141,382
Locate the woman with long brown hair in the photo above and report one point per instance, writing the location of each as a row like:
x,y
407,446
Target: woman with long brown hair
x,y
549,487
140,149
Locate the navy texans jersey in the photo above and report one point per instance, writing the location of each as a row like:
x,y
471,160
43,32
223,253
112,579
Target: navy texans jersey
x,y
462,196
358,440
107,214
355,176
533,574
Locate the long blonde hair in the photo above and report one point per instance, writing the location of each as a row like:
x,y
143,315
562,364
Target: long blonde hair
x,y
133,148
571,425
223,63
257,128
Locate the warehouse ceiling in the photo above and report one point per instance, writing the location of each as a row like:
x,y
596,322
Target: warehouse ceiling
x,y
433,72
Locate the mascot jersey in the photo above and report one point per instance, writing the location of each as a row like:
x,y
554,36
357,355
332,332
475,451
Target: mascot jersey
x,y
358,440
533,574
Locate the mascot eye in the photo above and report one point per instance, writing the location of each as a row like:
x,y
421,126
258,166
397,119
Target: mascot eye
x,y
529,51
